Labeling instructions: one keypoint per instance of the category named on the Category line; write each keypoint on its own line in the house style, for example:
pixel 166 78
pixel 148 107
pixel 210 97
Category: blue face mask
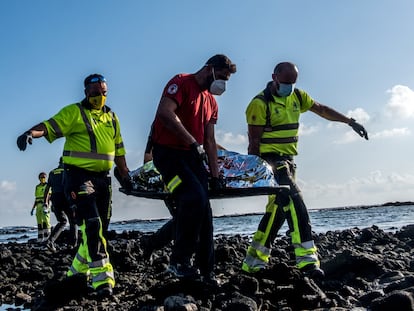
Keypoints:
pixel 285 89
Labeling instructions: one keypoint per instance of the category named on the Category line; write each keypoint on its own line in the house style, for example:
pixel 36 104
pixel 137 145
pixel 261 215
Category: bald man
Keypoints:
pixel 273 123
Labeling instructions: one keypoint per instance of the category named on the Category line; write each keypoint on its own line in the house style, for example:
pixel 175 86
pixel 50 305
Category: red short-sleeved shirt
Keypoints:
pixel 195 109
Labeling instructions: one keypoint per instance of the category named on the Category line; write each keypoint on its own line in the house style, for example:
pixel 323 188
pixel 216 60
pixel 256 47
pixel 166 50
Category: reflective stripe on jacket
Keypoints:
pixel 280 118
pixel 93 137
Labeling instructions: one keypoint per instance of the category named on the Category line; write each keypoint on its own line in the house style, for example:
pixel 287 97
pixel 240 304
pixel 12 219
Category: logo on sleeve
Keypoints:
pixel 295 107
pixel 172 89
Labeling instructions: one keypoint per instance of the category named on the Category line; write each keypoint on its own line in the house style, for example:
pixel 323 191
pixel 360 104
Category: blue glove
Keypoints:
pixel 45 209
pixel 31 212
pixel 23 139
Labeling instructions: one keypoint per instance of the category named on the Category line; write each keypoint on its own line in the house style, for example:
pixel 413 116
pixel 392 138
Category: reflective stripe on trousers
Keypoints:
pixel 101 270
pixel 258 253
pixel 174 183
pixel 306 253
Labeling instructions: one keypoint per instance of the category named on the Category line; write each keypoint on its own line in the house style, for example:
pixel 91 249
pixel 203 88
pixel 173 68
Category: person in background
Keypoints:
pixel 184 121
pixel 164 235
pixel 93 143
pixel 273 123
pixel 42 209
pixel 60 207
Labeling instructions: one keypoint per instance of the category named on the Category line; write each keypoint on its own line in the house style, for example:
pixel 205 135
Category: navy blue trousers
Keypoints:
pixel 193 218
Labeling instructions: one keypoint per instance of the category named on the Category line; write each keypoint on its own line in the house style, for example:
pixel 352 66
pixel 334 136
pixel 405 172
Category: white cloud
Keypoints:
pixel 401 103
pixel 348 137
pixel 15 206
pixel 230 141
pixel 305 130
pixel 397 132
pixel 7 187
pixel 359 114
pixel 376 188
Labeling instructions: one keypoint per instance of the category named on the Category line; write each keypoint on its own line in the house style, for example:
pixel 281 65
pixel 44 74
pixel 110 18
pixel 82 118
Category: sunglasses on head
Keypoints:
pixel 97 79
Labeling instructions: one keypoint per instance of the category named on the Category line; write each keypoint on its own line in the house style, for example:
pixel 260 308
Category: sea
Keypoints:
pixel 390 217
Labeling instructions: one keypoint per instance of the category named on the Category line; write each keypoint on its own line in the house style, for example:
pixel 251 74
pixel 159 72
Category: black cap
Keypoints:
pixel 93 78
pixel 222 61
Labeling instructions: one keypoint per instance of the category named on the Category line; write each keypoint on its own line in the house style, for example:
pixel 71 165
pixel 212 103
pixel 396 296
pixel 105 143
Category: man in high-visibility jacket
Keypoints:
pixel 273 123
pixel 93 143
pixel 42 209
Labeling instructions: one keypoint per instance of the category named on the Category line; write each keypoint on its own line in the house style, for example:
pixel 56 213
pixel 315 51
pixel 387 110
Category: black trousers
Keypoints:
pixel 163 235
pixel 284 170
pixel 90 195
pixel 63 213
pixel 193 218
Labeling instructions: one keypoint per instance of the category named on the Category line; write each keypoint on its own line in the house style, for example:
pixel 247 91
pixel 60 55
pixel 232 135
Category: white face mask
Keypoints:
pixel 217 87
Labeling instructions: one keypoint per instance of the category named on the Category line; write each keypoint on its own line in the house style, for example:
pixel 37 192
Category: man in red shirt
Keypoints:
pixel 183 125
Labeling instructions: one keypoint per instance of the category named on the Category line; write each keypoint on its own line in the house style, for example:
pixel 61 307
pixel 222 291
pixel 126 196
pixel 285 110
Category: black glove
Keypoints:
pixel 125 182
pixel 171 205
pixel 74 214
pixel 358 128
pixel 216 184
pixel 23 139
pixel 199 151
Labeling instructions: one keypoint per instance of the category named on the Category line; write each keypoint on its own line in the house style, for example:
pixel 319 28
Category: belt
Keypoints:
pixel 276 156
pixel 74 168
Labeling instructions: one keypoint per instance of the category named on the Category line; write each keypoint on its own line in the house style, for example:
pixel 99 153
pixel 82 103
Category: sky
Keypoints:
pixel 354 56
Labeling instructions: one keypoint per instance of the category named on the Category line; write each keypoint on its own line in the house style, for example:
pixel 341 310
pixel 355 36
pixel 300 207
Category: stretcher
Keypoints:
pixel 243 175
pixel 226 193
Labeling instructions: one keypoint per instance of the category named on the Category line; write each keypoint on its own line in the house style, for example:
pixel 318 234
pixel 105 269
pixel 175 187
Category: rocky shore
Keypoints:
pixel 366 269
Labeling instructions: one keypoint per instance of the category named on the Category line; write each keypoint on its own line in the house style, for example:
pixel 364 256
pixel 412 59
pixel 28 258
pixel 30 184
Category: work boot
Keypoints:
pixel 51 246
pixel 146 247
pixel 104 290
pixel 71 247
pixel 313 271
pixel 210 279
pixel 40 239
pixel 183 271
